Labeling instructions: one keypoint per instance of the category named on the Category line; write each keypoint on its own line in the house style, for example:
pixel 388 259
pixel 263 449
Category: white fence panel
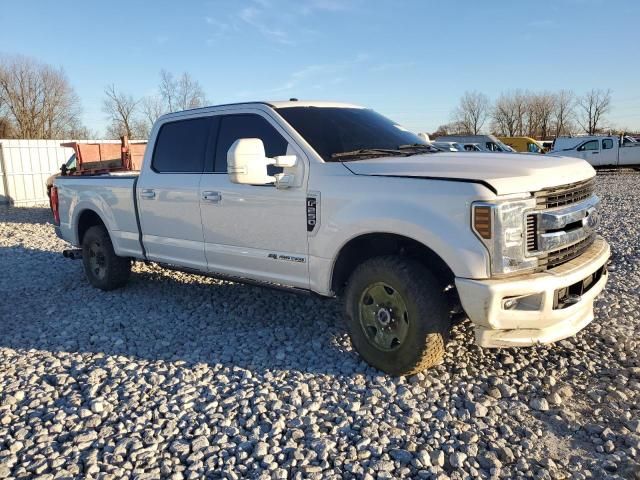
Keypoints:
pixel 25 166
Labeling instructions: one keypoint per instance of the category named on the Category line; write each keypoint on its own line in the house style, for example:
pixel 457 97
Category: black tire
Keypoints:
pixel 426 315
pixel 103 268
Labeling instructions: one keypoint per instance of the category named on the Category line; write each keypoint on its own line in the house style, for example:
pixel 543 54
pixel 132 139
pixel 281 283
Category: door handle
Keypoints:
pixel 148 194
pixel 594 153
pixel 212 197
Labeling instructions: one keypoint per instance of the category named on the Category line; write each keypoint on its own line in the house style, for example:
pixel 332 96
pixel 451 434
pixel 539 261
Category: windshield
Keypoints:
pixel 534 148
pixel 335 131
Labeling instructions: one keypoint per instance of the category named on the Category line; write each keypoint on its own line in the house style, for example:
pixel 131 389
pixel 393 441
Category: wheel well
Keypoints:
pixel 87 219
pixel 371 245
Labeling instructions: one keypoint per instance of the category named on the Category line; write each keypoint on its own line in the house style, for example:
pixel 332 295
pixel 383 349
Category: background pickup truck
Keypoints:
pixel 338 200
pixel 600 150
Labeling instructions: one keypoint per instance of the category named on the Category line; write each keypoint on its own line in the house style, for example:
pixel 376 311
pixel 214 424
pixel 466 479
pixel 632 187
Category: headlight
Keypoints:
pixel 501 226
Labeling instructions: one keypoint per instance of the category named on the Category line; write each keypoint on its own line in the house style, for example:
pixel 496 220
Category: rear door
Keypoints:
pixel 255 231
pixel 168 193
pixel 608 152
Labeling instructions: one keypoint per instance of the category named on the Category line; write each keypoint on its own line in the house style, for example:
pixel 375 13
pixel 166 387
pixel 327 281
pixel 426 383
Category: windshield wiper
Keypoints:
pixel 368 152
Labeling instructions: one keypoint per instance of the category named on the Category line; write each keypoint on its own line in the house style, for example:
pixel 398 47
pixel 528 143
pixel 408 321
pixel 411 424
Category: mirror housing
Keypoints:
pixel 247 164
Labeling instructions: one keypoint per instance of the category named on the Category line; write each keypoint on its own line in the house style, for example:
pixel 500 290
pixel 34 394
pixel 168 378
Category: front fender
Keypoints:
pixel 434 213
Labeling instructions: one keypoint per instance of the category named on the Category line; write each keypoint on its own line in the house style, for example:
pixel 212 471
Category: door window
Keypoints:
pixel 590 145
pixel 234 127
pixel 607 144
pixel 181 146
pixel 533 148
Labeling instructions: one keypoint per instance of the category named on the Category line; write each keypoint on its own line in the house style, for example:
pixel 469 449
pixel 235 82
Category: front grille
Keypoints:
pixel 563 255
pixel 565 194
pixel 532 233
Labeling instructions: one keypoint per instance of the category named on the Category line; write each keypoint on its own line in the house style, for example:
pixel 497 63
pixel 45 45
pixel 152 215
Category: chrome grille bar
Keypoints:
pixel 563 224
pixel 565 194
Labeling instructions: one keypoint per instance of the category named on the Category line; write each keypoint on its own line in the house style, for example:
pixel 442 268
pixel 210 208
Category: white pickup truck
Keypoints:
pixel 600 150
pixel 337 200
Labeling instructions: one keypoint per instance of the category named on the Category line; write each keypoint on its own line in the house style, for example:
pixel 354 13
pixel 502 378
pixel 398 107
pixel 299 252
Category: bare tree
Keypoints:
pixel 472 112
pixel 509 113
pixel 592 107
pixel 121 109
pixel 563 112
pixel 152 109
pixel 36 99
pixel 5 128
pixel 453 128
pixel 181 93
pixel 540 107
pixel 168 87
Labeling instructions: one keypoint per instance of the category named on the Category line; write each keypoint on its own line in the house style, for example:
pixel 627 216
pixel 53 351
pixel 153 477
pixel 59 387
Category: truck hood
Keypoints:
pixel 504 173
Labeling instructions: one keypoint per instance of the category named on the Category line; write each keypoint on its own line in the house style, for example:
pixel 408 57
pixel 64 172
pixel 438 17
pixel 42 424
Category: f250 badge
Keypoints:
pixel 312 210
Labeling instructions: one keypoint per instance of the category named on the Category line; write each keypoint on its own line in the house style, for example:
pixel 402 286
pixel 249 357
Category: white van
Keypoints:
pixel 600 150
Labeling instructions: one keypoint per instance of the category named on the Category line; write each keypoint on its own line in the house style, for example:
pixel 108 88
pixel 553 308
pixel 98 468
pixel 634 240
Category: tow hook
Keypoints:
pixel 73 254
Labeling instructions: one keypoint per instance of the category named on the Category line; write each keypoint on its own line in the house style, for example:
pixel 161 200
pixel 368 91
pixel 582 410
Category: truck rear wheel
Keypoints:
pixel 397 315
pixel 103 268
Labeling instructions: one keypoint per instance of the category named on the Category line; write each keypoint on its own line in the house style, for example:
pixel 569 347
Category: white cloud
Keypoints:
pixel 318 76
pixel 384 67
pixel 256 18
pixel 284 22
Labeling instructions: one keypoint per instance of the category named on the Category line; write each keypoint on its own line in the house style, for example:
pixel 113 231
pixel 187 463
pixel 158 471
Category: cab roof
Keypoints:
pixel 311 103
pixel 272 104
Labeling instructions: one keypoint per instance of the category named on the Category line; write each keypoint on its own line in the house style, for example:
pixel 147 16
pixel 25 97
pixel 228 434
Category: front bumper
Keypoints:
pixel 541 320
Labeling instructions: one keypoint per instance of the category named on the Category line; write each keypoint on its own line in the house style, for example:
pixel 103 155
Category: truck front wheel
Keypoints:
pixel 397 315
pixel 104 269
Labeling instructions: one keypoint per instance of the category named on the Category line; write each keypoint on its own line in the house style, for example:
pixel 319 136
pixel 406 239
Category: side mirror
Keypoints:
pixel 63 169
pixel 247 164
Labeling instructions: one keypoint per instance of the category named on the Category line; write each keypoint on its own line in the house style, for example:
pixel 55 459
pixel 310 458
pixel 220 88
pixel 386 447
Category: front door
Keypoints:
pixel 255 231
pixel 590 151
pixel 168 194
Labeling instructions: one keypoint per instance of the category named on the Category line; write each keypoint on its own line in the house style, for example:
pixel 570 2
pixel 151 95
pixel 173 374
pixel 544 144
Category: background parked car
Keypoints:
pixel 449 146
pixel 523 144
pixel 66 168
pixel 472 147
pixel 486 143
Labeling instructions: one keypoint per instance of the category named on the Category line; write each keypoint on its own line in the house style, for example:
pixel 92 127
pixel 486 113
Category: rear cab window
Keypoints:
pixel 181 146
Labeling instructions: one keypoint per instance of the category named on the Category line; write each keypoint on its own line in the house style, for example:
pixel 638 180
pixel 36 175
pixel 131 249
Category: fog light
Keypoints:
pixel 525 302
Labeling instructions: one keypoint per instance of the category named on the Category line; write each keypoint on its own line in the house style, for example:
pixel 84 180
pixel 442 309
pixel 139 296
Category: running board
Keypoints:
pixel 231 278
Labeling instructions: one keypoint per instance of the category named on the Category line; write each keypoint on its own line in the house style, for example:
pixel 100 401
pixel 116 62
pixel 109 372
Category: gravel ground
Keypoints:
pixel 184 377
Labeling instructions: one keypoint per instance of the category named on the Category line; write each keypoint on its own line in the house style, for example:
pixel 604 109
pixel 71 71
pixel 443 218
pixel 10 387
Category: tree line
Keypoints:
pixel 134 117
pixel 533 114
pixel 37 101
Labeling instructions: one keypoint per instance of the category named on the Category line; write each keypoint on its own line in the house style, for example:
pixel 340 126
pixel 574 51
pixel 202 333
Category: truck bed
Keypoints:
pixel 112 194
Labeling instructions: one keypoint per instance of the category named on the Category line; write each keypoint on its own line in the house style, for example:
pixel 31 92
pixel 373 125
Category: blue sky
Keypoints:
pixel 411 60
